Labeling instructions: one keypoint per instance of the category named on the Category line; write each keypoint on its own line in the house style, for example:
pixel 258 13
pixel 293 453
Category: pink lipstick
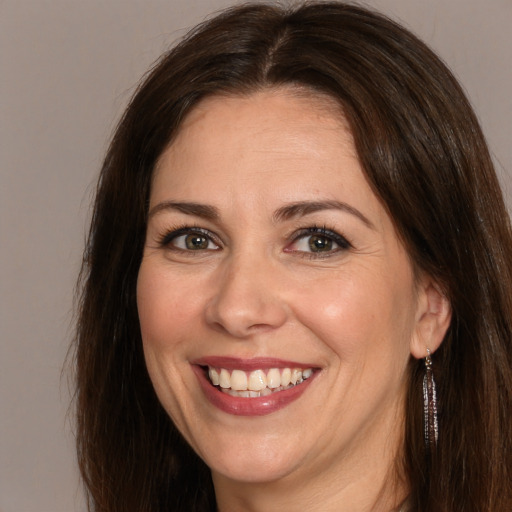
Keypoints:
pixel 252 387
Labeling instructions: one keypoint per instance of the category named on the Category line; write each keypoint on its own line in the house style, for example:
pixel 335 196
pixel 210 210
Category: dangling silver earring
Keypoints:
pixel 430 404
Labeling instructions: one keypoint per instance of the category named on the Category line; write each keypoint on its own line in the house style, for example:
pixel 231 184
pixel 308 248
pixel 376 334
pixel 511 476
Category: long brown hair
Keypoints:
pixel 425 157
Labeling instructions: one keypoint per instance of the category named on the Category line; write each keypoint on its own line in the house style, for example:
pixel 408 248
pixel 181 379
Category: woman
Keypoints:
pixel 297 287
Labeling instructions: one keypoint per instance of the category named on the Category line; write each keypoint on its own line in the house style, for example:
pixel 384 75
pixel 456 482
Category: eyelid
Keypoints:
pixel 165 239
pixel 172 233
pixel 342 242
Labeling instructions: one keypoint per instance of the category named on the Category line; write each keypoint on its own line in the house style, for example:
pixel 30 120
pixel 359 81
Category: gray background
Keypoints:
pixel 68 68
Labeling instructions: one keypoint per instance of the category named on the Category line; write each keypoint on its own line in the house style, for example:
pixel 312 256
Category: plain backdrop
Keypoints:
pixel 67 69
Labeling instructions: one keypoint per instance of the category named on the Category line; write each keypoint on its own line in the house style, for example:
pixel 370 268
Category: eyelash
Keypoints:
pixel 171 234
pixel 166 239
pixel 342 243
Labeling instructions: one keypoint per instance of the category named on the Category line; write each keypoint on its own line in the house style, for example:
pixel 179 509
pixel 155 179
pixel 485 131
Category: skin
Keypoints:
pixel 256 289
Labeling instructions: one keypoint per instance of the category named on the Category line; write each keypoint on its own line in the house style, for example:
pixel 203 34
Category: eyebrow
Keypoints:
pixel 199 210
pixel 303 208
pixel 289 211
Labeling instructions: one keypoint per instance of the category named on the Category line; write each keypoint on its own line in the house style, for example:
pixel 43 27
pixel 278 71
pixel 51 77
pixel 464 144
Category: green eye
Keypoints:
pixel 195 242
pixel 190 239
pixel 319 243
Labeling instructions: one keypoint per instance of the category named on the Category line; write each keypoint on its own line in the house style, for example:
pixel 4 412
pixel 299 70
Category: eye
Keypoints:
pixel 318 241
pixel 190 239
pixel 192 242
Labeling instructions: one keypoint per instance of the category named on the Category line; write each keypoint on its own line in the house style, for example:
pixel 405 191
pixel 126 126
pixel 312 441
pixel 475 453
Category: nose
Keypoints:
pixel 248 298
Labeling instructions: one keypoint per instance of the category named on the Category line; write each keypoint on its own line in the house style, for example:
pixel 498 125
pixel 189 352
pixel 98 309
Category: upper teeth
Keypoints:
pixel 257 380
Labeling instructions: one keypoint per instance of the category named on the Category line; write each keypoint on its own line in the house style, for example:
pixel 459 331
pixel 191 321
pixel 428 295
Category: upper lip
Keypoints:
pixel 235 363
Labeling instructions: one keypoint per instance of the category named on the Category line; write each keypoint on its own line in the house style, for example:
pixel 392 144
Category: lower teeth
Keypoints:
pixel 256 394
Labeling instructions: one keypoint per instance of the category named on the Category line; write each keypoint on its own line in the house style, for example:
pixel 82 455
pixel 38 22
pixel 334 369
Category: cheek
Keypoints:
pixel 165 319
pixel 356 313
pixel 167 309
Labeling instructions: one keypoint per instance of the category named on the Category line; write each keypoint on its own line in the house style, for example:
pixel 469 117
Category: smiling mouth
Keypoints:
pixel 256 383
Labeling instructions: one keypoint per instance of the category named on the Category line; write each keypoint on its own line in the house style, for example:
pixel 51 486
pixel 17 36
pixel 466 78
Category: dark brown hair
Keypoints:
pixel 425 157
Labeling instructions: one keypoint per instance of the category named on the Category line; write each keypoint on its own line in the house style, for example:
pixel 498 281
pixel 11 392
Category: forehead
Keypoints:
pixel 283 100
pixel 289 129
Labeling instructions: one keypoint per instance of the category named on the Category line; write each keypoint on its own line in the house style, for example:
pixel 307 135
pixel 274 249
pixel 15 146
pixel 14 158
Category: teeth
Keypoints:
pixel 296 376
pixel 286 377
pixel 273 378
pixel 214 376
pixel 257 383
pixel 224 379
pixel 239 380
pixel 257 380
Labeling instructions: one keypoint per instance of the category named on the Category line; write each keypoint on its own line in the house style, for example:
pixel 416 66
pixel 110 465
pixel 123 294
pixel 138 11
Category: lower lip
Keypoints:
pixel 258 406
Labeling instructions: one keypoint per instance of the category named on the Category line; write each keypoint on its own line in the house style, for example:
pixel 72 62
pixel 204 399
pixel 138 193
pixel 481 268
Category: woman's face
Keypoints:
pixel 267 254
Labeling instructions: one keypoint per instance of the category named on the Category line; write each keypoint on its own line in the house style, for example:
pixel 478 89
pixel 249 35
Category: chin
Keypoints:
pixel 251 460
pixel 254 471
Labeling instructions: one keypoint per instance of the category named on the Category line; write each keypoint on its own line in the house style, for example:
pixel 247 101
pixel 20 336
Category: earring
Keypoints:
pixel 430 404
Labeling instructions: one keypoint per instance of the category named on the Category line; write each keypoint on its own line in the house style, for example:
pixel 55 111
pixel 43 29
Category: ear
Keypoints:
pixel 433 317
